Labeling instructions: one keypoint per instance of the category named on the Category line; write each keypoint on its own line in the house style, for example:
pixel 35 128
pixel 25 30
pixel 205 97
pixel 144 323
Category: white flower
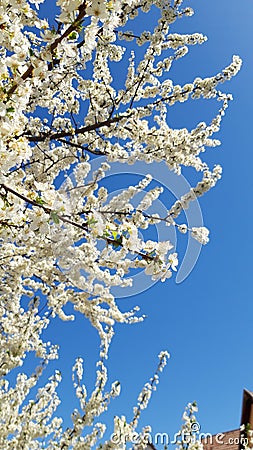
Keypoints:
pixel 173 260
pixel 98 225
pixel 200 234
pixel 2 109
pixel 98 9
pixel 182 228
pixel 5 128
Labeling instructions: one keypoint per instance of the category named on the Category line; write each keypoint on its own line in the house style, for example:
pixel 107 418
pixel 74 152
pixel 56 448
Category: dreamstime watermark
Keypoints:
pixel 174 186
pixel 186 438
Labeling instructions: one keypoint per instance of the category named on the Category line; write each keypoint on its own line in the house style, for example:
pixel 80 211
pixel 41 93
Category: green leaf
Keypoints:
pixel 40 201
pixel 72 35
pixel 152 254
pixel 114 235
pixel 91 221
pixel 117 243
pixel 54 216
pixel 7 204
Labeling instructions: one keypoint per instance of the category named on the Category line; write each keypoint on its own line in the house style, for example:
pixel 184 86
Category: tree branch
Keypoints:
pixel 65 219
pixel 82 130
pixel 53 46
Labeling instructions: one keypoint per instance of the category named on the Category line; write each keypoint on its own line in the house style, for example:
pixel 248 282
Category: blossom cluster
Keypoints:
pixel 187 437
pixel 64 237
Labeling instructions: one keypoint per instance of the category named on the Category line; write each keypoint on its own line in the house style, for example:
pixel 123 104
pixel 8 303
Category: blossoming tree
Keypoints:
pixel 62 237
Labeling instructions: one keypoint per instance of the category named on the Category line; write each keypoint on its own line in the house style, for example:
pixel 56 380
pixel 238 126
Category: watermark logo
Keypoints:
pixel 184 438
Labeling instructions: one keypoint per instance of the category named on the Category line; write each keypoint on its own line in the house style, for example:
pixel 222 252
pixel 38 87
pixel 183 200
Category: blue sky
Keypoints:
pixel 206 321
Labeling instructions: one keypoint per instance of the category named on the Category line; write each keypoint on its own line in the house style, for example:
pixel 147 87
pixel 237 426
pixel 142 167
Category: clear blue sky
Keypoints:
pixel 206 321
